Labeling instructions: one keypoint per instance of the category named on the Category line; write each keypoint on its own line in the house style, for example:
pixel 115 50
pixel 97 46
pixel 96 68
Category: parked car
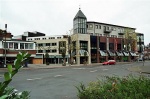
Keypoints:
pixel 109 62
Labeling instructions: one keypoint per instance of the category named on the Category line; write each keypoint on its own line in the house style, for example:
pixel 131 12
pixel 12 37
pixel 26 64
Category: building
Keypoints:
pixel 28 34
pixel 9 48
pixel 97 42
pixel 53 45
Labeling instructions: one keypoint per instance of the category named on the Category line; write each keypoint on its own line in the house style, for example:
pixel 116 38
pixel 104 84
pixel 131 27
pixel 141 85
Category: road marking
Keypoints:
pixel 105 69
pixel 34 79
pixel 78 68
pixel 58 75
pixel 93 71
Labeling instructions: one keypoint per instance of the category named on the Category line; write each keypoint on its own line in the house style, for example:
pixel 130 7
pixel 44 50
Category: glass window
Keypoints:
pixel 11 45
pixel 21 45
pixel 40 51
pixel 15 45
pixel 47 44
pixel 26 46
pixel 96 26
pixel 30 45
pixel 47 51
pixel 5 44
pixel 53 44
pixel 53 50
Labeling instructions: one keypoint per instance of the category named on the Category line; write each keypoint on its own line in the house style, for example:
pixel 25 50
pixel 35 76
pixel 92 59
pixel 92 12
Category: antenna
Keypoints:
pixel 79 7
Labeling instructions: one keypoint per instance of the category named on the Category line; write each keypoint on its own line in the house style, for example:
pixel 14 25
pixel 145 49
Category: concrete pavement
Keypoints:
pixel 141 69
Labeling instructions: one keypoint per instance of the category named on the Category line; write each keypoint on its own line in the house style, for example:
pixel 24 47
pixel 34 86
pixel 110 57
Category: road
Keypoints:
pixel 59 83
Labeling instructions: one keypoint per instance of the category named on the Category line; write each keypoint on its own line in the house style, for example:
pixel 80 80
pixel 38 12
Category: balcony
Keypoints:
pixel 121 33
pixel 107 31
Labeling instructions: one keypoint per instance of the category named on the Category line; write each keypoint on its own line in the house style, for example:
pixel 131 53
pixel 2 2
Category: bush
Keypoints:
pixel 7 92
pixel 129 87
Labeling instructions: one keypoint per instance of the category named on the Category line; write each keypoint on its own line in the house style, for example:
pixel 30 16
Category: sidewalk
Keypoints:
pixel 67 65
pixel 144 68
pixel 39 66
pixel 141 69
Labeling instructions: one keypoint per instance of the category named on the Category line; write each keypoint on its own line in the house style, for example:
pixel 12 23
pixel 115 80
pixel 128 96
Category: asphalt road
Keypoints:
pixel 59 83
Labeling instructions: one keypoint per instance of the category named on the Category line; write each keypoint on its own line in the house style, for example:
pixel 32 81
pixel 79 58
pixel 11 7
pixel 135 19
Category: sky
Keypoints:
pixel 55 17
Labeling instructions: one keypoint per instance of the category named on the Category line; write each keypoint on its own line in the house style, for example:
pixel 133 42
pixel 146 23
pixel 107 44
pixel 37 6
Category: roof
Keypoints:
pixel 80 15
pixel 109 24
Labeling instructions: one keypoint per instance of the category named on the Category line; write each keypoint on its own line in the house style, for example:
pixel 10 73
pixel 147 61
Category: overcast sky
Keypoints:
pixel 55 17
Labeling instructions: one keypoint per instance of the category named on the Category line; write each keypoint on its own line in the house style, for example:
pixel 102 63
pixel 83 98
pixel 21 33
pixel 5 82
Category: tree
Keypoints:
pixel 85 57
pixel 130 39
pixel 64 55
pixel 46 57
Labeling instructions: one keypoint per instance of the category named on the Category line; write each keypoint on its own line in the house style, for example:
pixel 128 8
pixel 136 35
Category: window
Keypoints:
pixel 91 26
pixel 40 51
pixel 96 26
pixel 30 46
pixel 15 45
pixel 11 45
pixel 99 26
pixel 21 45
pixel 58 37
pixel 53 44
pixel 100 34
pixel 107 28
pixel 40 44
pixel 5 44
pixel 26 46
pixel 83 45
pixel 114 29
pixel 54 50
pixel 87 26
pixel 47 51
pixel 47 44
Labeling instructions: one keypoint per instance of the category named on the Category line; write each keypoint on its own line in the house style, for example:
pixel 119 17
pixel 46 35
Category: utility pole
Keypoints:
pixel 5 32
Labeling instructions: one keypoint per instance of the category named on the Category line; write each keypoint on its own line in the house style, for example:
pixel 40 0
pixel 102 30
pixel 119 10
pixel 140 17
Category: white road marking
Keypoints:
pixel 105 69
pixel 58 75
pixel 34 79
pixel 78 68
pixel 93 71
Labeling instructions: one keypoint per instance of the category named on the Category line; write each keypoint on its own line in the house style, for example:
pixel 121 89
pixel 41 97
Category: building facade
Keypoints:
pixel 53 45
pixel 97 42
pixel 9 48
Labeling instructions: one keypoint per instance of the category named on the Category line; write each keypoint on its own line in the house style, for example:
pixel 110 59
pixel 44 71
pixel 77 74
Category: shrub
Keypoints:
pixel 129 87
pixel 7 92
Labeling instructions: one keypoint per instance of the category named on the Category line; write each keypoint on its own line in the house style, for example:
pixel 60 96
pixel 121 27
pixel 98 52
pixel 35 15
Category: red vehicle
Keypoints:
pixel 110 62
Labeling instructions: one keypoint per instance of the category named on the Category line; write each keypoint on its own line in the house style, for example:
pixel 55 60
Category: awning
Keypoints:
pixel 73 53
pixel 126 53
pixel 50 56
pixel 103 53
pixel 133 53
pixel 82 52
pixel 119 53
pixel 111 53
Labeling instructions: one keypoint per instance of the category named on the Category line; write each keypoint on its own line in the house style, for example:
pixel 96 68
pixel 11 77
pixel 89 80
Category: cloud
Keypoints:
pixel 56 16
